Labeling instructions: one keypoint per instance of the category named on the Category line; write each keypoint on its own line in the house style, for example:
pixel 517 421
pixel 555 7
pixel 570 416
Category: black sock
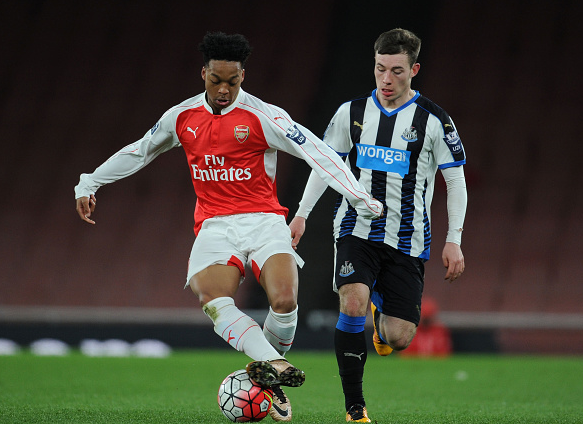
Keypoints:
pixel 351 352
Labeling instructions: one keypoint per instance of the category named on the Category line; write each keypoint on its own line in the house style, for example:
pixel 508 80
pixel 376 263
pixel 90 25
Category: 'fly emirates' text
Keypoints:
pixel 219 174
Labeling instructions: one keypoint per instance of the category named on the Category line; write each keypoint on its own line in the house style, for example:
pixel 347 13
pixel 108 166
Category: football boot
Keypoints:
pixel 357 414
pixel 277 372
pixel 380 346
pixel 280 407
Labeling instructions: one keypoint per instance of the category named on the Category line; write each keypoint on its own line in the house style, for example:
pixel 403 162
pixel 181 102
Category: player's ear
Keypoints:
pixel 203 73
pixel 415 69
pixel 242 74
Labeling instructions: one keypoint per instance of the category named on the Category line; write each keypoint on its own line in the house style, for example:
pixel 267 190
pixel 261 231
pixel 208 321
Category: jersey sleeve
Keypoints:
pixel 315 188
pixel 293 138
pixel 448 148
pixel 457 200
pixel 337 135
pixel 132 158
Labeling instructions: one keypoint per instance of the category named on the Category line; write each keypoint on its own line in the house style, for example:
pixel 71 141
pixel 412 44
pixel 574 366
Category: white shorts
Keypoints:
pixel 240 240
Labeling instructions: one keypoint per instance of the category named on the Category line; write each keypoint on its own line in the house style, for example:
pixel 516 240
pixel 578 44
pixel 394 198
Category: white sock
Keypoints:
pixel 239 330
pixel 280 329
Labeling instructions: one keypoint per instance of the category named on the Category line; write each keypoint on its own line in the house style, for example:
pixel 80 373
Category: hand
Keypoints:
pixel 373 210
pixel 453 260
pixel 297 227
pixel 85 207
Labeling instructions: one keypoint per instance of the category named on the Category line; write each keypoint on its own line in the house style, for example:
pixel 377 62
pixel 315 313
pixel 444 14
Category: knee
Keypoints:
pixel 205 297
pixel 353 306
pixel 354 299
pixel 399 342
pixel 285 302
pixel 398 336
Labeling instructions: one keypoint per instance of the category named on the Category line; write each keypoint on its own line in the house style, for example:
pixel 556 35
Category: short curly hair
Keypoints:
pixel 220 46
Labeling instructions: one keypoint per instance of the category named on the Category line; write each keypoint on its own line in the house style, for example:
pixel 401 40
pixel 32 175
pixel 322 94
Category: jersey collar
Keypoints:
pixel 226 110
pixel 386 112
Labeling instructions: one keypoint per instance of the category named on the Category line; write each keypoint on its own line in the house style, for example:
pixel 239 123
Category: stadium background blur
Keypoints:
pixel 79 80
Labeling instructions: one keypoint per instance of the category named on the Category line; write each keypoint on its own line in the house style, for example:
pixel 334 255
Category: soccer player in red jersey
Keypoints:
pixel 231 139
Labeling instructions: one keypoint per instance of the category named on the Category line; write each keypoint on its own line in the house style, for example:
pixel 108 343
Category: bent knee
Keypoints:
pixel 399 343
pixel 284 304
pixel 400 334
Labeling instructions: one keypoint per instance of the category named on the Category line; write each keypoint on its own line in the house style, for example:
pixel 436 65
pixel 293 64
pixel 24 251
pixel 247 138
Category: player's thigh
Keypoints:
pixel 399 287
pixel 269 235
pixel 215 244
pixel 274 262
pixel 279 279
pixel 355 261
pixel 357 264
pixel 215 281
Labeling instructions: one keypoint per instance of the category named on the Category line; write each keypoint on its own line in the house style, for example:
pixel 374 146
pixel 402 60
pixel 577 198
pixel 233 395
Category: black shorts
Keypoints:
pixel 394 278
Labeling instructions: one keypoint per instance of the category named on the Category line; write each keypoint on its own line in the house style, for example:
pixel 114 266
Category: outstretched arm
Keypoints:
pixel 124 163
pixel 331 169
pixel 293 138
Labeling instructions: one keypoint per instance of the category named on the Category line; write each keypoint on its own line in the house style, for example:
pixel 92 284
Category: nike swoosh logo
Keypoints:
pixel 280 411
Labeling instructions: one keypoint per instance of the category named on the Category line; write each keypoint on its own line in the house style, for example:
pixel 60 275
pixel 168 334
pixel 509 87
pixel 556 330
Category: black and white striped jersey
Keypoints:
pixel 395 155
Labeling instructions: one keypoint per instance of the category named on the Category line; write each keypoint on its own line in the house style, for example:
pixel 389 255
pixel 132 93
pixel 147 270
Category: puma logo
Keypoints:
pixel 359 356
pixel 358 125
pixel 192 131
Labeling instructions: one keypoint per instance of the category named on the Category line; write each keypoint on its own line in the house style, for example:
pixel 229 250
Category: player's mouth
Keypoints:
pixel 222 102
pixel 387 93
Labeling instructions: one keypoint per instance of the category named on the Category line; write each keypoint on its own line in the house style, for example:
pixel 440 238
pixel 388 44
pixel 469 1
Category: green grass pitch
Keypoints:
pixel 182 389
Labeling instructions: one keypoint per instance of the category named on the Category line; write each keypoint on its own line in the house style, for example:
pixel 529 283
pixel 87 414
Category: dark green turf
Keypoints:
pixel 182 389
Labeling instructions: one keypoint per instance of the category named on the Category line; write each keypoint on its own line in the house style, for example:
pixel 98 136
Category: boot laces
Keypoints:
pixel 277 391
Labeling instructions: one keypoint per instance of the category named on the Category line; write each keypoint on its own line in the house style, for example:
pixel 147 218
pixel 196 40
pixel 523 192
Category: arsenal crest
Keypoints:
pixel 241 133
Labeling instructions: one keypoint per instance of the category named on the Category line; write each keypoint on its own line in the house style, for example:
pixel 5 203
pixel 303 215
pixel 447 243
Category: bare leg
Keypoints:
pixel 215 287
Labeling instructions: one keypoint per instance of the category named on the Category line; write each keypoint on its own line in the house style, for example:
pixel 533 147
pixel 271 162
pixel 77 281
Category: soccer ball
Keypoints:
pixel 243 400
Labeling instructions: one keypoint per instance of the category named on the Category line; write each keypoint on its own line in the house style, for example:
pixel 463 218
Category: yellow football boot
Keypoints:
pixel 381 347
pixel 357 414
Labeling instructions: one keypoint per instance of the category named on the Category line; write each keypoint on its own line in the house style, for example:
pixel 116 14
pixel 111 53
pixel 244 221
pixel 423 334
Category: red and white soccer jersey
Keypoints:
pixel 231 163
pixel 232 157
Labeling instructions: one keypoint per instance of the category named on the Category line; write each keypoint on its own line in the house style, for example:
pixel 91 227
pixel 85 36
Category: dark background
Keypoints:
pixel 80 80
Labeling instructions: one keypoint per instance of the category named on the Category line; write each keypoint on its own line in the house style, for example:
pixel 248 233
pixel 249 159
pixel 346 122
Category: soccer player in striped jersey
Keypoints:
pixel 231 140
pixel 394 140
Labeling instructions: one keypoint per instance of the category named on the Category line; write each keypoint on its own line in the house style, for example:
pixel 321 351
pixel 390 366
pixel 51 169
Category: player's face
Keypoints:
pixel 222 81
pixel 393 75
